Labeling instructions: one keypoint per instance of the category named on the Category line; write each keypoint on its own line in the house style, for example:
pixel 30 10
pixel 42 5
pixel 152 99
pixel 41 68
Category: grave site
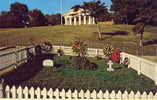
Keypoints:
pixel 92 49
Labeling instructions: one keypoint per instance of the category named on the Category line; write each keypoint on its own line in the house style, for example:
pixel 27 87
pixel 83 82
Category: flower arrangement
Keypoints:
pixel 108 49
pixel 116 55
pixel 126 62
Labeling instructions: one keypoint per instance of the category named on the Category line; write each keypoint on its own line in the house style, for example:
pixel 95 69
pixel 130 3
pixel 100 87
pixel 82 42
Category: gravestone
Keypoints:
pixel 48 63
pixel 110 63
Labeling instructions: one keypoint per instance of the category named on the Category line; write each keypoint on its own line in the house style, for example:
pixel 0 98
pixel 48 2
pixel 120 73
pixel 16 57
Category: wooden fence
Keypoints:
pixel 13 57
pixel 19 92
pixel 142 66
pixel 91 52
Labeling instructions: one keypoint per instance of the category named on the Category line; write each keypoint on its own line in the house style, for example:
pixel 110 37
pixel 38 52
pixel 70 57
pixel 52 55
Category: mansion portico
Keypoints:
pixel 78 18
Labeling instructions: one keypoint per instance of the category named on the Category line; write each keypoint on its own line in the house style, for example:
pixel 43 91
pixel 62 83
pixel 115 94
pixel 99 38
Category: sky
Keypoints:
pixel 46 6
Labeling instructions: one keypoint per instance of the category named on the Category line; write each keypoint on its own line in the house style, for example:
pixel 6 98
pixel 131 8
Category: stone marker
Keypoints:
pixel 110 63
pixel 48 63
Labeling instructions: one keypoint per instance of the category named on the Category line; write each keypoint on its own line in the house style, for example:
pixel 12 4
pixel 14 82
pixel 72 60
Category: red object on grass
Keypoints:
pixel 116 55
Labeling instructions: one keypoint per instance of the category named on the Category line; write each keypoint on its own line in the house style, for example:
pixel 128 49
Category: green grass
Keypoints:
pixel 67 77
pixel 65 35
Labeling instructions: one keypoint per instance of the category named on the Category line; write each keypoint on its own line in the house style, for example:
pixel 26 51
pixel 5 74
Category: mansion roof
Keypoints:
pixel 71 12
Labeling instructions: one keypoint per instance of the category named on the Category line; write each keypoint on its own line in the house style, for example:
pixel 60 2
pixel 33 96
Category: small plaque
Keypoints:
pixel 48 63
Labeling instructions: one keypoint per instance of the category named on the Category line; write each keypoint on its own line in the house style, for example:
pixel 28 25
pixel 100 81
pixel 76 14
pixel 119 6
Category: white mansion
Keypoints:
pixel 78 18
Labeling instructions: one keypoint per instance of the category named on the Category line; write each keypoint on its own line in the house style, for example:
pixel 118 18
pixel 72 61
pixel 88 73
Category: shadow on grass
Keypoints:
pixel 24 72
pixel 115 33
pixel 111 34
pixel 150 43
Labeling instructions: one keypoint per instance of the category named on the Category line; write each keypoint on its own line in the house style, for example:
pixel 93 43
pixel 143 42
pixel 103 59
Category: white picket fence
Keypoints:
pixel 142 66
pixel 19 92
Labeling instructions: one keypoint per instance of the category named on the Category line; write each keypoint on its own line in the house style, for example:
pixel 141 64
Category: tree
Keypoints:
pixel 79 47
pixel 37 18
pixel 53 19
pixel 97 9
pixel 5 21
pixel 143 19
pixel 8 20
pixel 20 11
pixel 129 9
pixel 81 61
pixel 76 7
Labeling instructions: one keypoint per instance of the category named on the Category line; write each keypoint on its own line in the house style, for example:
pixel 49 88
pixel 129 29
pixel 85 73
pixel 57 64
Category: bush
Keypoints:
pixel 60 52
pixel 38 50
pixel 46 47
pixel 79 47
pixel 83 63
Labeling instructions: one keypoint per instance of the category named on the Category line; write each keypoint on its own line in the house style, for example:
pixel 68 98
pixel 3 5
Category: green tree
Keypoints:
pixel 79 47
pixel 142 20
pixel 54 19
pixel 97 9
pixel 20 11
pixel 129 9
pixel 37 18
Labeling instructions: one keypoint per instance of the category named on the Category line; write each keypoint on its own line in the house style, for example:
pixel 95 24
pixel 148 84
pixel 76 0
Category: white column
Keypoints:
pixel 93 21
pixel 65 20
pixel 70 20
pixel 89 20
pixel 75 23
pixel 84 19
pixel 79 19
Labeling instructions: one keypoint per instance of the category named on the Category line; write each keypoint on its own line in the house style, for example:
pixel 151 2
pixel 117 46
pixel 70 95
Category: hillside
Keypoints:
pixel 65 35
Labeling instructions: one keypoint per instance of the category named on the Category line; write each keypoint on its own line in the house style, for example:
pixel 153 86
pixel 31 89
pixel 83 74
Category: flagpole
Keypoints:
pixel 61 5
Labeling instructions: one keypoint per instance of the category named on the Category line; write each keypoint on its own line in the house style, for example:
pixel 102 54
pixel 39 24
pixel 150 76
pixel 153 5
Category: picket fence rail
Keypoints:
pixel 19 92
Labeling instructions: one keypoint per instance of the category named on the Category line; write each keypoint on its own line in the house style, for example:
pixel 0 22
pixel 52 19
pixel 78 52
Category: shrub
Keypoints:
pixel 79 47
pixel 38 50
pixel 46 47
pixel 83 63
pixel 60 52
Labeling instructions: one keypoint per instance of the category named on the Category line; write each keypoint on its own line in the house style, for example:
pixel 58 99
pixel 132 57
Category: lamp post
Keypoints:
pixel 61 7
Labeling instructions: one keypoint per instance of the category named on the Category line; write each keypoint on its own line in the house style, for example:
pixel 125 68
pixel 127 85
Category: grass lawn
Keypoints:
pixel 151 58
pixel 67 77
pixel 65 35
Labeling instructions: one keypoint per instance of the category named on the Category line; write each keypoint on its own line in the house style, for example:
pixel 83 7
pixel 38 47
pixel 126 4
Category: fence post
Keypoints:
pixel 16 59
pixel 155 75
pixel 156 52
pixel 1 88
pixel 139 69
pixel 97 52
